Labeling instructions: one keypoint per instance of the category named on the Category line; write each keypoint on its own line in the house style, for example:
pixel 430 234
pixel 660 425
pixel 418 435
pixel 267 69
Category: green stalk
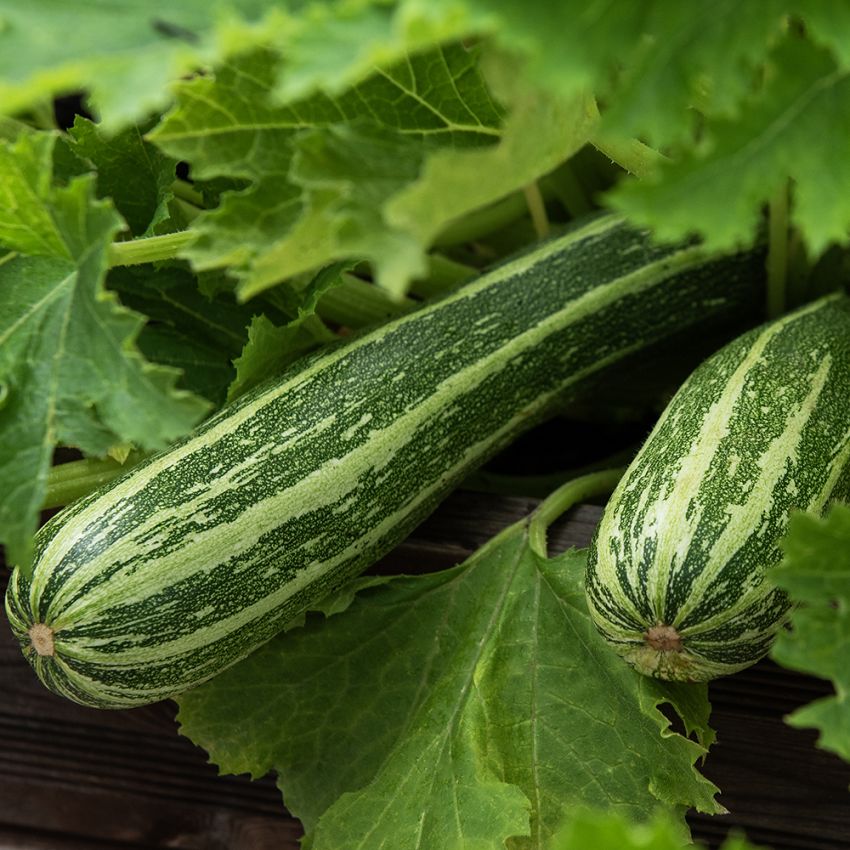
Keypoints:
pixel 777 253
pixel 630 154
pixel 568 190
pixel 480 222
pixel 189 211
pixel 70 481
pixel 443 275
pixel 575 491
pixel 356 304
pixel 187 192
pixel 537 208
pixel 799 287
pixel 150 249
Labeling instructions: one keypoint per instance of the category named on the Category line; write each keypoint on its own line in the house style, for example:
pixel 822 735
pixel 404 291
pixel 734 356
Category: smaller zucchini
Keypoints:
pixel 676 571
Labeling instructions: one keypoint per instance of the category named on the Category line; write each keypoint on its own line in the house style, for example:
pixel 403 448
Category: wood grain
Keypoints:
pixel 73 778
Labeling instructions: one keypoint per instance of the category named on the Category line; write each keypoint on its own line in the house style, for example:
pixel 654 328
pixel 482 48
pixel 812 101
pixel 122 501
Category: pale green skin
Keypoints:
pixel 194 558
pixel 760 430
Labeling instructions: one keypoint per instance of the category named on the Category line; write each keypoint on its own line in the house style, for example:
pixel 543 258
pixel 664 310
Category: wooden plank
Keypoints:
pixel 72 777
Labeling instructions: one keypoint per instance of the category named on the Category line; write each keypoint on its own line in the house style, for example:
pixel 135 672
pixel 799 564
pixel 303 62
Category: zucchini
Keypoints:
pixel 676 571
pixel 195 557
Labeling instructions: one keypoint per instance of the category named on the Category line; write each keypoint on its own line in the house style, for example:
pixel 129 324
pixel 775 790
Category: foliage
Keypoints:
pixel 368 131
pixel 471 706
pixel 816 573
pixel 332 145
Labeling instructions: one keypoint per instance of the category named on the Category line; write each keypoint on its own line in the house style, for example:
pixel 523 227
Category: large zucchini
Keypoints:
pixel 194 558
pixel 676 572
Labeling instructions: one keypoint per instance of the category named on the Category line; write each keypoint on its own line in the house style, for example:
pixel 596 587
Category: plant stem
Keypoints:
pixel 149 249
pixel 630 154
pixel 480 222
pixel 70 481
pixel 537 208
pixel 798 282
pixel 190 211
pixel 443 275
pixel 357 303
pixel 540 486
pixel 568 190
pixel 777 253
pixel 187 192
pixel 577 490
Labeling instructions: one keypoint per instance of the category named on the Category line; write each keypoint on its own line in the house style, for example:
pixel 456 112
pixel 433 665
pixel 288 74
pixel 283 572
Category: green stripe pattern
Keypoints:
pixel 194 558
pixel 676 572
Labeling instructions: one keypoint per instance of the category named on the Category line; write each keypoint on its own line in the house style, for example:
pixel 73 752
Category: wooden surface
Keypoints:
pixel 73 778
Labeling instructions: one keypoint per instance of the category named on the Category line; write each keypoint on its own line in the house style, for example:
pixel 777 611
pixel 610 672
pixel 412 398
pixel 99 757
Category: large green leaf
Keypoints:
pixel 816 574
pixel 321 168
pixel 69 371
pixel 375 172
pixel 124 53
pixel 791 130
pixel 199 334
pixel 460 708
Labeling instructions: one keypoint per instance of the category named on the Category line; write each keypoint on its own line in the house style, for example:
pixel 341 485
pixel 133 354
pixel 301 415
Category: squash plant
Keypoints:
pixel 243 187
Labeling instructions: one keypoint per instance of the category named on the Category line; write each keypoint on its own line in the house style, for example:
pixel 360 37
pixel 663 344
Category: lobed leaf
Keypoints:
pixel 69 370
pixel 461 708
pixel 124 54
pixel 789 132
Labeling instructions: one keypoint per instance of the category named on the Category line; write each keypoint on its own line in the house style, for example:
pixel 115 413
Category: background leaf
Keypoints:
pixel 68 367
pixel 601 830
pixel 789 131
pixel 321 168
pixel 125 54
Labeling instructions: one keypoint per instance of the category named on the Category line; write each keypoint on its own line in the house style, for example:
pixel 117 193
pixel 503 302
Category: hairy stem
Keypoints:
pixel 357 303
pixel 150 249
pixel 480 222
pixel 187 192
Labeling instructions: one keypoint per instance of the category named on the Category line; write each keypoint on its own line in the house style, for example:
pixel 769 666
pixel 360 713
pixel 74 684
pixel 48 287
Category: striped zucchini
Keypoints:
pixel 676 572
pixel 194 558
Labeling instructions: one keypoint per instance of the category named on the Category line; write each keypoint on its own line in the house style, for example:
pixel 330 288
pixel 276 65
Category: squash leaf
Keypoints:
pixel 460 708
pixel 125 54
pixel 132 172
pixel 816 574
pixel 374 172
pixel 787 131
pixel 69 369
